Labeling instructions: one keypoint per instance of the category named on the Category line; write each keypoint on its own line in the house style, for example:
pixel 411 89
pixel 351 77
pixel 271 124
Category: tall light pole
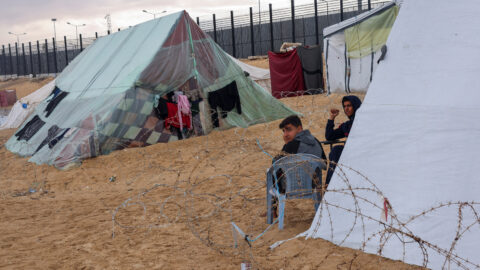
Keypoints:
pixel 328 20
pixel 153 13
pixel 54 30
pixel 18 39
pixel 76 29
pixel 259 16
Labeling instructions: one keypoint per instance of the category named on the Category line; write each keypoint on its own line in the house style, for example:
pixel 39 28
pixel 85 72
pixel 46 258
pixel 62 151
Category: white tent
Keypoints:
pixel 259 75
pixel 416 139
pixel 351 69
pixel 19 113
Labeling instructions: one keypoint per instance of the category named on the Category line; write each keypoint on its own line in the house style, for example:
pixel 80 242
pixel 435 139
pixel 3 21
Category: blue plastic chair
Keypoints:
pixel 298 173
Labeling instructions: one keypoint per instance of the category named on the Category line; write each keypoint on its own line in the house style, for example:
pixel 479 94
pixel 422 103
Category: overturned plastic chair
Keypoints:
pixel 298 172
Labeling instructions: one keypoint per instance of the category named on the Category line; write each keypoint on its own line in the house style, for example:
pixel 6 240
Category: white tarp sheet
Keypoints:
pixel 416 138
pixel 18 114
pixel 259 75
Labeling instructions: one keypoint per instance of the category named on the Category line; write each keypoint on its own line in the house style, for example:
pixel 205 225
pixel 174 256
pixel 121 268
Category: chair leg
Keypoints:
pixel 281 211
pixel 269 208
pixel 317 196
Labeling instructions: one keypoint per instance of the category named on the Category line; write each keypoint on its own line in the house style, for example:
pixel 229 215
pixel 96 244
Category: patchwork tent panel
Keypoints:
pixel 105 99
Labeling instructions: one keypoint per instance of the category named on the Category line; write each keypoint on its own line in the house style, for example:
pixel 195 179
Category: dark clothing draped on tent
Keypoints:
pixel 286 74
pixel 30 129
pixel 58 96
pixel 342 131
pixel 311 59
pixel 227 99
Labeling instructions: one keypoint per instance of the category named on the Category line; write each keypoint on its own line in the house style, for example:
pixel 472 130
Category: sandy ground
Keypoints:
pixel 183 196
pixel 261 63
pixel 24 86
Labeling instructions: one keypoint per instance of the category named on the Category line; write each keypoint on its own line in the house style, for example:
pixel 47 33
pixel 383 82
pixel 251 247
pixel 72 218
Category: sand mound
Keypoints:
pixel 167 206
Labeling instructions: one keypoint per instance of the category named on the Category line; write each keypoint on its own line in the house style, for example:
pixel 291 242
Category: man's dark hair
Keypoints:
pixel 293 120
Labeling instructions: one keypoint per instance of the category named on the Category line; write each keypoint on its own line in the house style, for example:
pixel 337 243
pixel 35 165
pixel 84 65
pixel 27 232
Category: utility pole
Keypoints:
pixel 109 22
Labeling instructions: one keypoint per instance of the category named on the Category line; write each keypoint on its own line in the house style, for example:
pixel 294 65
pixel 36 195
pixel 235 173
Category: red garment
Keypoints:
pixel 3 98
pixel 286 74
pixel 172 118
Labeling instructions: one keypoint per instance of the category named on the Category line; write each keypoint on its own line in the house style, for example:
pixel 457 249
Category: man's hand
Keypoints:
pixel 333 113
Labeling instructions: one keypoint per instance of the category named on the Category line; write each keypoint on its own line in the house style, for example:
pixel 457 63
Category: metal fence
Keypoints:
pixel 251 33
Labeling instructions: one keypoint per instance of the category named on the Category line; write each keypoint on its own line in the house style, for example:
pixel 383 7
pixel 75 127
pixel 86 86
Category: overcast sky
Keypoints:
pixel 34 16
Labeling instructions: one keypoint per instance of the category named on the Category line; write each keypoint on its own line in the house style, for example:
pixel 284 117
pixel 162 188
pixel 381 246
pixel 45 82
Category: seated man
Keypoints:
pixel 350 106
pixel 297 141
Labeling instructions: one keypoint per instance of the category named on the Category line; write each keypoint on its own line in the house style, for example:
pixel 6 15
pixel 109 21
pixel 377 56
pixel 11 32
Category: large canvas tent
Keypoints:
pixel 104 100
pixel 415 139
pixel 353 47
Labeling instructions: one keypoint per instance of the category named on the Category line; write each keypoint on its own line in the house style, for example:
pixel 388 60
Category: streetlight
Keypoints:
pixel 54 30
pixel 76 30
pixel 18 39
pixel 153 13
pixel 259 16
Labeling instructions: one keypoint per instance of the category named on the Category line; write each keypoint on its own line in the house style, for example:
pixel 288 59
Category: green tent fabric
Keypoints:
pixel 370 35
pixel 104 100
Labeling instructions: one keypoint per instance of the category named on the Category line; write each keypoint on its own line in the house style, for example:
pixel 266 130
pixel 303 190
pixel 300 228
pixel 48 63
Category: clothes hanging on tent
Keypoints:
pixel 173 117
pixel 286 74
pixel 53 142
pixel 52 132
pixel 161 110
pixel 311 60
pixel 227 98
pixel 58 96
pixel 30 128
pixel 183 109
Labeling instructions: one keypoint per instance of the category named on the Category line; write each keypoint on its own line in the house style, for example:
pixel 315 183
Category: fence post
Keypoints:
pixel 316 23
pixel 54 56
pixel 24 60
pixel 198 21
pixel 4 61
pixel 252 42
pixel 360 5
pixel 341 10
pixel 96 35
pixel 108 32
pixel 233 33
pixel 369 4
pixel 81 43
pixel 293 21
pixel 39 58
pixel 17 58
pixel 271 27
pixel 214 28
pixel 11 59
pixel 31 59
pixel 46 53
pixel 66 50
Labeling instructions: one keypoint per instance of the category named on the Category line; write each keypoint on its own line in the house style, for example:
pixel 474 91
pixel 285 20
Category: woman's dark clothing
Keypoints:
pixel 342 131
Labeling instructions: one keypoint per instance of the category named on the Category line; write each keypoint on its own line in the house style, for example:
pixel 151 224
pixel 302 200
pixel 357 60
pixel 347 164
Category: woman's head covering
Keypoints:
pixel 356 103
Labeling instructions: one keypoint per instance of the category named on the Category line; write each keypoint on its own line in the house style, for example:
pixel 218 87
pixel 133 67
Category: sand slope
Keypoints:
pixel 183 223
